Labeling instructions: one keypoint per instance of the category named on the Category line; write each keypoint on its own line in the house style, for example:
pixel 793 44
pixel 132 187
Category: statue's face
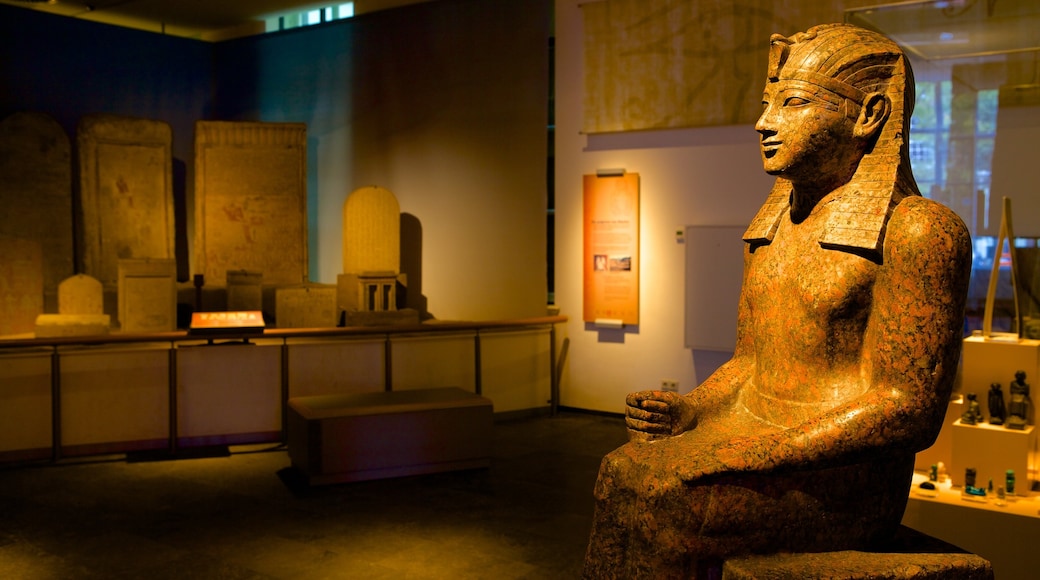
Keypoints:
pixel 806 135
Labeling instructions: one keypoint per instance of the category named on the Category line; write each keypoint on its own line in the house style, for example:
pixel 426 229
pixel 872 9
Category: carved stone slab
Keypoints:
pixel 251 200
pixel 126 183
pixel 147 295
pixel 36 189
pixel 309 306
pixel 21 285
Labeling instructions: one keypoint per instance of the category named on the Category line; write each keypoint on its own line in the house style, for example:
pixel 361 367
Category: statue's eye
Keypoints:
pixel 796 102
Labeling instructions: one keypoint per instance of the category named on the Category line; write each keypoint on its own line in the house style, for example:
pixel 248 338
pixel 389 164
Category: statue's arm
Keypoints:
pixel 651 414
pixel 910 354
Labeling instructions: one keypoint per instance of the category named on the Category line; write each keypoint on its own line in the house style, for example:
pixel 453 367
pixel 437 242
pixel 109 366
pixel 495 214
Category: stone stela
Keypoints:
pixel 36 192
pixel 251 200
pixel 126 183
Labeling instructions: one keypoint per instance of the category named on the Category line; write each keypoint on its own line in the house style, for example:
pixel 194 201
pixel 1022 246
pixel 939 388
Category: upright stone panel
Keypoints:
pixel 36 190
pixel 126 184
pixel 147 295
pixel 245 290
pixel 251 200
pixel 21 285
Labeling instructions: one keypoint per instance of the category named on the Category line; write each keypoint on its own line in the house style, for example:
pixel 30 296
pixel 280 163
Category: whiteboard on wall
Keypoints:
pixel 714 268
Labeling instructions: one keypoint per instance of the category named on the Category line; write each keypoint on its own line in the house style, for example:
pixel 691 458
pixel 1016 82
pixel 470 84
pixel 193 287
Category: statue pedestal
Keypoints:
pixel 913 556
pixel 992 450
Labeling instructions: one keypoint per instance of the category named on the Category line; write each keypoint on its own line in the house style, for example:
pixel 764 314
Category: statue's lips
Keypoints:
pixel 769 148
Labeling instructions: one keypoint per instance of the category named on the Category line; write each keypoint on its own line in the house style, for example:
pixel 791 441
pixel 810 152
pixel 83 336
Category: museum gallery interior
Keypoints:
pixel 304 290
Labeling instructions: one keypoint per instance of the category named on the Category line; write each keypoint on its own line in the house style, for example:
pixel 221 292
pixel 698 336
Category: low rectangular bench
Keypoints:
pixel 362 436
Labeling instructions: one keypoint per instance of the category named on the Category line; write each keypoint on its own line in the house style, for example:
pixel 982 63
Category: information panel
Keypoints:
pixel 611 261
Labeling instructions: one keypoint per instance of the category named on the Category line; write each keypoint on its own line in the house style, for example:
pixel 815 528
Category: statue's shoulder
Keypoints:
pixel 919 222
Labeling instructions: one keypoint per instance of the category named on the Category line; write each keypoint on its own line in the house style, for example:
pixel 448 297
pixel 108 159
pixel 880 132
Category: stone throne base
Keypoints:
pixel 911 556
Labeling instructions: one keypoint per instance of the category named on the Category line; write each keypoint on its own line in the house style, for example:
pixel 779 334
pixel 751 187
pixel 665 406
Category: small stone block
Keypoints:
pixel 309 306
pixel 147 295
pixel 59 325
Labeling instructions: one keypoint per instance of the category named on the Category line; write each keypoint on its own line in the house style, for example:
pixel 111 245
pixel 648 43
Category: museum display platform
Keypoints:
pixel 1002 531
pixel 117 393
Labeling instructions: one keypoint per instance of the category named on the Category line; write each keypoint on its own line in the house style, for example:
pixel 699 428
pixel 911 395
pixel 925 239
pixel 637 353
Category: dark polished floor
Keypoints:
pixel 241 516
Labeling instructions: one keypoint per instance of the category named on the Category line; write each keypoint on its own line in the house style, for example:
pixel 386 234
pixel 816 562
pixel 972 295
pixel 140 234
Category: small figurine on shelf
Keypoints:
pixel 969 483
pixel 1019 403
pixel 997 412
pixel 974 413
pixel 933 473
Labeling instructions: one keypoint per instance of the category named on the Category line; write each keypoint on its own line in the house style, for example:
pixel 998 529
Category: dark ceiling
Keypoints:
pixel 203 19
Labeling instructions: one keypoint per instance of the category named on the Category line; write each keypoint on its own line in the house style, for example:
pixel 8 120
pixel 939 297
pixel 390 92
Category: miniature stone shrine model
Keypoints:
pixel 848 336
pixel 1018 402
pixel 995 403
pixel 367 288
pixel 973 414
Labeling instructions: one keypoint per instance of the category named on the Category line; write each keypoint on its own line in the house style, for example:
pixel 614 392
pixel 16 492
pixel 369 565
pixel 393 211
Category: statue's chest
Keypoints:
pixel 794 281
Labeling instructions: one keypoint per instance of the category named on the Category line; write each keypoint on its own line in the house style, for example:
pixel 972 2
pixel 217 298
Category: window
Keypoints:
pixel 309 17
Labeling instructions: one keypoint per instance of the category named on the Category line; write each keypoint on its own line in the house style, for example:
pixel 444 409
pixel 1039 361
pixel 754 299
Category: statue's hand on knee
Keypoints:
pixel 654 415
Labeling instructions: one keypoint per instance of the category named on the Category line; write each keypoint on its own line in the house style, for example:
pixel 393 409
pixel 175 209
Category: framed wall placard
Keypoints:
pixel 611 244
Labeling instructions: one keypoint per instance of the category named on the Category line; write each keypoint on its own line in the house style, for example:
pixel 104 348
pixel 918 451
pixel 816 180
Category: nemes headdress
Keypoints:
pixel 849 63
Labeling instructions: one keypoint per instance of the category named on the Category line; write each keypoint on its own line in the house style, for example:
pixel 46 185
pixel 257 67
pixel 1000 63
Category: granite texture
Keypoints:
pixel 909 555
pixel 849 331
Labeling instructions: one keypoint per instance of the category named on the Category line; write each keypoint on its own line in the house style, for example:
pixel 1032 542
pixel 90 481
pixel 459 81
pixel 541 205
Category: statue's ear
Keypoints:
pixel 872 115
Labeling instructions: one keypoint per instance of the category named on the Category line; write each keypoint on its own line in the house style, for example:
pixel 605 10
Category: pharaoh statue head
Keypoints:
pixel 860 73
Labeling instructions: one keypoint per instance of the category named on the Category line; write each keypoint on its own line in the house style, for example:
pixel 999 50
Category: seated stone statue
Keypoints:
pixel 974 412
pixel 848 337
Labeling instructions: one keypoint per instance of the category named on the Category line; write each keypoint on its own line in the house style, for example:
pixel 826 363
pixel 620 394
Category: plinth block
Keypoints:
pixel 363 436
